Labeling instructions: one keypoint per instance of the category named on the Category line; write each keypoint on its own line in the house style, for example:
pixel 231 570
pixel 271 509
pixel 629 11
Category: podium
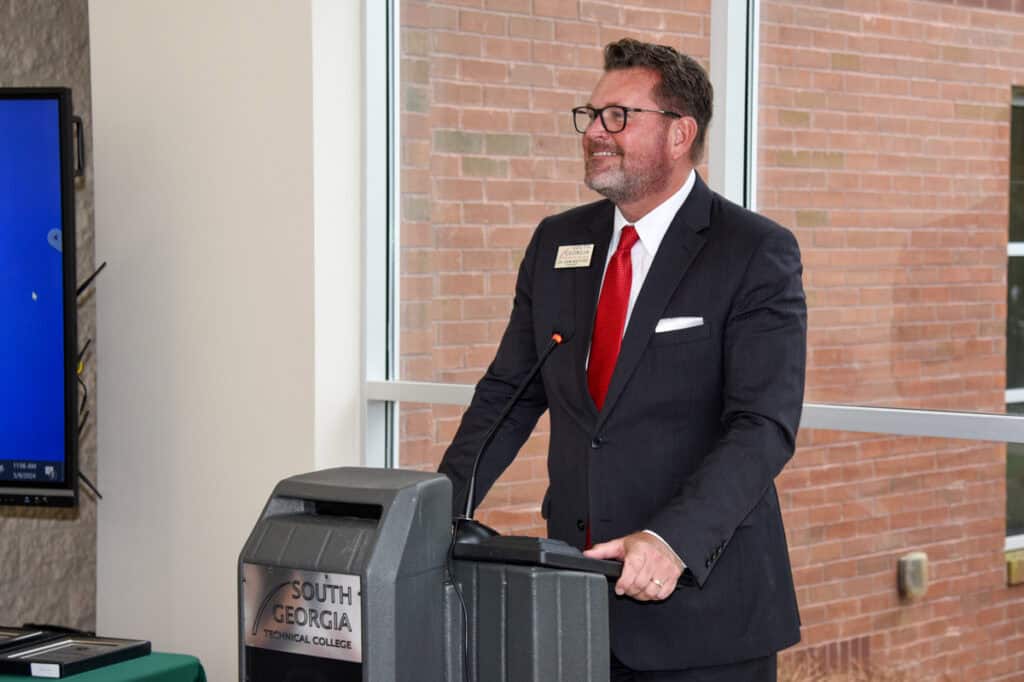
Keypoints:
pixel 350 575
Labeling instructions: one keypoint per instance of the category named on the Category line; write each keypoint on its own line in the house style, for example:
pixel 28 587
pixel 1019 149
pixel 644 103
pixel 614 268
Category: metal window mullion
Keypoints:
pixel 378 216
pixel 394 226
pixel 420 392
pixel 881 420
pixel 752 102
pixel 1000 428
pixel 730 67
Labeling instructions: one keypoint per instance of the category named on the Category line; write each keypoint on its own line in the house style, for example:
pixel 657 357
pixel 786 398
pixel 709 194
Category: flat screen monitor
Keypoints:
pixel 38 334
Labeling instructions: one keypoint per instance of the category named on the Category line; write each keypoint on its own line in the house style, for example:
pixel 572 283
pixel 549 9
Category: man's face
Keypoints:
pixel 635 162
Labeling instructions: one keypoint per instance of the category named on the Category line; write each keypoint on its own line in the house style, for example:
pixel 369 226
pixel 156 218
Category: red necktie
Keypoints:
pixel 611 317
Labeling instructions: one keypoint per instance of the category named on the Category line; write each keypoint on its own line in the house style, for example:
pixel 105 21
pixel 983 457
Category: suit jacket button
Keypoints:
pixel 707 564
pixel 596 443
pixel 580 525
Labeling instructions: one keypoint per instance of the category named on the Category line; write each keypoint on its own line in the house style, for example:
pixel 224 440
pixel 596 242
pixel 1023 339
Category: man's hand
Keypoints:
pixel 649 568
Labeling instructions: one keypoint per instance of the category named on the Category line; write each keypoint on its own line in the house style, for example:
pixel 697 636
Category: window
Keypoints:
pixel 874 134
pixel 1015 318
pixel 869 146
pixel 486 149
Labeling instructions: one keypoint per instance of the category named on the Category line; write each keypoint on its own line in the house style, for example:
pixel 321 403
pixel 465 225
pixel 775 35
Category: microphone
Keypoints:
pixel 466 529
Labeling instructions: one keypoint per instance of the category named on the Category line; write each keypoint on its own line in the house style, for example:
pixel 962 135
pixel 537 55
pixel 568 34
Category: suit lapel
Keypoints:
pixel 587 284
pixel 676 253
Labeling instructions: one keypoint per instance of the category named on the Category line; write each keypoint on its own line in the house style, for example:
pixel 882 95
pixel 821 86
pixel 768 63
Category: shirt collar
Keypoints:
pixel 652 227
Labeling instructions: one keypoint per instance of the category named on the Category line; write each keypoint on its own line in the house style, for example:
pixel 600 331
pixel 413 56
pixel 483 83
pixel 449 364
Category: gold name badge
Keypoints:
pixel 574 256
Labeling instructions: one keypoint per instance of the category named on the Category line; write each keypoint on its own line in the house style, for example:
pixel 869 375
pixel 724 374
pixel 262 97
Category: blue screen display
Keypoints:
pixel 32 419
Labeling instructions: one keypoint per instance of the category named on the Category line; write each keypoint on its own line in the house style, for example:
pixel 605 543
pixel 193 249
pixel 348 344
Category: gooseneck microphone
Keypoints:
pixel 466 529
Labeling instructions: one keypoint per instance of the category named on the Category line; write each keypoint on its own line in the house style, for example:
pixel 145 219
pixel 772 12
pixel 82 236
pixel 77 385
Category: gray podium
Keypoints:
pixel 345 578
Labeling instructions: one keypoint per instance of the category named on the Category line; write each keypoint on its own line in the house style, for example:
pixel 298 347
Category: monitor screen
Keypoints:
pixel 38 395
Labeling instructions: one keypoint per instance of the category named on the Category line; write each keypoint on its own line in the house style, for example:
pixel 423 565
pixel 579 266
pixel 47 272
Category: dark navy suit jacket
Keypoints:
pixel 696 425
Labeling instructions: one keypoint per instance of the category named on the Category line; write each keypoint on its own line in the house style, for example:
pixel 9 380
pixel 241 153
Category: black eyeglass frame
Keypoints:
pixel 593 113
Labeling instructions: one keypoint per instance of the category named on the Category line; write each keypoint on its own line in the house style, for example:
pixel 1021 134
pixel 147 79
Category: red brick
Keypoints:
pixel 556 191
pixel 462 190
pixel 556 145
pixel 518 6
pixel 582 80
pixel 485 214
pixel 496 308
pixel 500 284
pixel 509 49
pixel 417 288
pixel 556 8
pixel 458 93
pixel 514 237
pixel 557 100
pixel 539 29
pixel 443 17
pixel 483 22
pixel 531 74
pixel 444 68
pixel 485 119
pixel 460 237
pixel 446 310
pixel 461 333
pixel 575 32
pixel 456 43
pixel 601 12
pixel 488 71
pixel 486 260
pixel 531 122
pixel 507 190
pixel 554 53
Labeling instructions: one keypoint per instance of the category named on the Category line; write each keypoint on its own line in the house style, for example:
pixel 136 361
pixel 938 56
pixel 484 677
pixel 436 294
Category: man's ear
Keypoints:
pixel 684 133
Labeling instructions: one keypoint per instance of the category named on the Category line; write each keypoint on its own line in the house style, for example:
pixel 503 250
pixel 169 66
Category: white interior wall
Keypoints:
pixel 210 174
pixel 338 185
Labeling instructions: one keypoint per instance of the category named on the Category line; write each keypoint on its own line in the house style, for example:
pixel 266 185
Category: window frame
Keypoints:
pixel 1014 395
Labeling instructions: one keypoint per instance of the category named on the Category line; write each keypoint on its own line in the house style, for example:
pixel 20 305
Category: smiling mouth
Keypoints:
pixel 603 154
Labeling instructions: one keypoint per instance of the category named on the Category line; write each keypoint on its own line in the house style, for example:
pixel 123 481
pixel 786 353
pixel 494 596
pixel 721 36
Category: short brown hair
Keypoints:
pixel 684 87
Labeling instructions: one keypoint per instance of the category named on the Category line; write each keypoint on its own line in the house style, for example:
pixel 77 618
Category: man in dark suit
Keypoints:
pixel 676 396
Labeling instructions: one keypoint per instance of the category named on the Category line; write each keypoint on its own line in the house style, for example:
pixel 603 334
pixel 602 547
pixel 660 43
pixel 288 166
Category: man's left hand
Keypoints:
pixel 649 568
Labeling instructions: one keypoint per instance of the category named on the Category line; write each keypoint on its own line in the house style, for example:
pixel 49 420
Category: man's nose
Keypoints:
pixel 595 129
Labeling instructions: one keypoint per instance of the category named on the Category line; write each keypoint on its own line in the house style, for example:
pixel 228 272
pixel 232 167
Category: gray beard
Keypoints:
pixel 619 188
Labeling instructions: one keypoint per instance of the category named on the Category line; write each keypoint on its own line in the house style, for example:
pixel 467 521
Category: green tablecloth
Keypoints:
pixel 152 668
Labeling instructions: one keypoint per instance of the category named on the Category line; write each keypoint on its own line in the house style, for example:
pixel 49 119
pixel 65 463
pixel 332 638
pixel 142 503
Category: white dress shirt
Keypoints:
pixel 651 229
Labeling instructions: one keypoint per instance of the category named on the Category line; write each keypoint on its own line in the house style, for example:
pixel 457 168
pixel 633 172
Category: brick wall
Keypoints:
pixel 884 145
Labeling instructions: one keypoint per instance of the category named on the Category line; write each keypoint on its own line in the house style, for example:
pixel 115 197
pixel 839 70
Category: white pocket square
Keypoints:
pixel 671 324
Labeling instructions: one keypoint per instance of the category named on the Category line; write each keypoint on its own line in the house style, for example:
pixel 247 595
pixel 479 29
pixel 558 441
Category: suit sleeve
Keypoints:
pixel 516 354
pixel 764 348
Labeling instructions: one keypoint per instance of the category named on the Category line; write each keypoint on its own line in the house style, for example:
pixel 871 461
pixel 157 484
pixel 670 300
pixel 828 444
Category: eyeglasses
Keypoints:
pixel 613 118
